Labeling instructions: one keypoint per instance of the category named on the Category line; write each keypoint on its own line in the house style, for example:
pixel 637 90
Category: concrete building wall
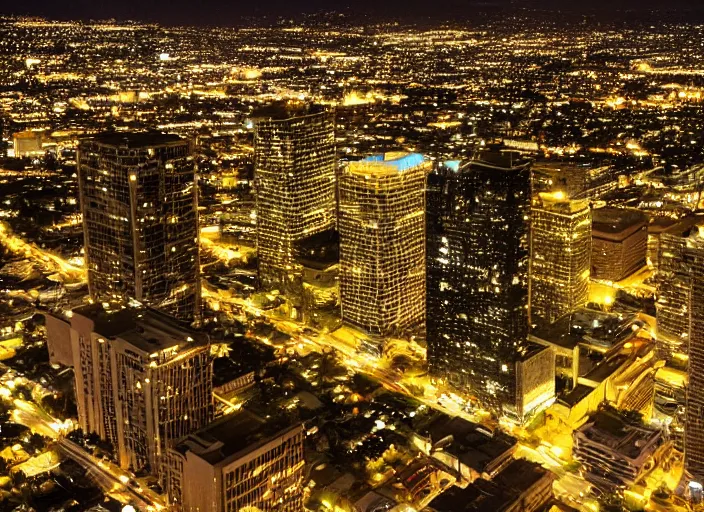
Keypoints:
pixel 616 260
pixel 535 381
pixel 140 394
pixel 58 341
pixel 266 476
pixel 201 489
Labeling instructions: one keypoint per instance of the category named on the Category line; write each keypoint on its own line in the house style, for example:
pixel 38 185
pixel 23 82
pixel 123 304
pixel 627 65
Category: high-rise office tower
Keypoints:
pixel 694 414
pixel 239 463
pixel 478 248
pixel 561 245
pixel 294 174
pixel 139 198
pixel 569 178
pixel 673 288
pixel 619 242
pixel 3 147
pixel 142 381
pixel 382 260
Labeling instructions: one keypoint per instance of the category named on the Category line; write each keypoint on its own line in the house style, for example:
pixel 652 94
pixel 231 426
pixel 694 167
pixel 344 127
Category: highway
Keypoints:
pixel 365 363
pixel 113 480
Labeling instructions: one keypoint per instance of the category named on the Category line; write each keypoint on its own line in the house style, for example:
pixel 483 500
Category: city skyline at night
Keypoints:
pixel 306 258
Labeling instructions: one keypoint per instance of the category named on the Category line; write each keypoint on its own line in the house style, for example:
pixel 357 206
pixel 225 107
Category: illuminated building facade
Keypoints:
pixel 535 380
pixel 561 250
pixel 478 237
pixel 657 225
pixel 139 201
pixel 570 179
pixel 238 463
pixel 619 242
pixel 616 451
pixel 28 143
pixel 294 174
pixel 382 253
pixel 142 381
pixel 673 288
pixel 575 180
pixel 694 414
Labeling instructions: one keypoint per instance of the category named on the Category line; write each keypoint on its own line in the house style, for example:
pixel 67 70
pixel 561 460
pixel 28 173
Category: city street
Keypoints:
pixel 569 487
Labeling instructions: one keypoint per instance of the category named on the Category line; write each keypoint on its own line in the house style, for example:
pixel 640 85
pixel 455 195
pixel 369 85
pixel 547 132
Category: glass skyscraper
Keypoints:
pixel 561 250
pixel 382 262
pixel 477 249
pixel 294 165
pixel 139 201
pixel 694 423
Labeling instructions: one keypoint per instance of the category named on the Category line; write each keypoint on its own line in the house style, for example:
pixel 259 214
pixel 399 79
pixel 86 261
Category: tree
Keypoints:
pixel 18 478
pixel 36 442
pixel 329 368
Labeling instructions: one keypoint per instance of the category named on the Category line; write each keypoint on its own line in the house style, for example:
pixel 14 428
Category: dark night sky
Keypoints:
pixel 231 12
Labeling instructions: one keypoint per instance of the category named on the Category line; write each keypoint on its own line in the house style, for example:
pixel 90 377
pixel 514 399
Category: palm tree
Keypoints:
pixel 329 368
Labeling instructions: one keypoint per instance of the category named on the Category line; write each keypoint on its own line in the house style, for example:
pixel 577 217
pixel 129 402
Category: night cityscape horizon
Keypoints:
pixel 397 257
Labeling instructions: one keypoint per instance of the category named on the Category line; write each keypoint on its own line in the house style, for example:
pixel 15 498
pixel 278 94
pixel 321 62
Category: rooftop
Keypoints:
pixel 452 164
pixel 228 438
pixel 579 393
pixel 529 350
pixel 493 496
pixel 617 223
pixel 500 160
pixel 606 368
pixel 28 134
pixel 136 140
pixel 659 224
pixel 480 496
pixel 471 444
pixel 558 202
pixel 621 433
pixel 520 475
pixel 144 328
pixel 587 327
pixel 686 227
pixel 285 111
pixel 561 166
pixel 387 163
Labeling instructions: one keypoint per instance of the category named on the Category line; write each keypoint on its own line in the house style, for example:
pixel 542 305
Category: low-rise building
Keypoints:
pixel 28 143
pixel 240 462
pixel 467 449
pixel 615 449
pixel 522 486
